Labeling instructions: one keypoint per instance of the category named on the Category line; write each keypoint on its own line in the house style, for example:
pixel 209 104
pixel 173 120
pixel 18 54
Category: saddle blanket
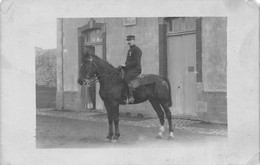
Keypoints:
pixel 144 79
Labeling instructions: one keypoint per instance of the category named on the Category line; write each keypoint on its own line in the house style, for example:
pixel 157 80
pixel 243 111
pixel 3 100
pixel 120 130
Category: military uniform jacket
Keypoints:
pixel 133 63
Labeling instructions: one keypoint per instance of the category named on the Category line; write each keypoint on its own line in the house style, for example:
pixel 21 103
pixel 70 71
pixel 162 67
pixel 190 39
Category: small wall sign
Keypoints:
pixel 129 21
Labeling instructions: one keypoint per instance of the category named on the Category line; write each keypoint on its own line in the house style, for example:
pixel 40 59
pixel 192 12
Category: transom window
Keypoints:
pixel 182 24
pixel 94 36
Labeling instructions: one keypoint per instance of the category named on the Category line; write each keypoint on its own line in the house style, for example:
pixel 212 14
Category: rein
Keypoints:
pixel 96 78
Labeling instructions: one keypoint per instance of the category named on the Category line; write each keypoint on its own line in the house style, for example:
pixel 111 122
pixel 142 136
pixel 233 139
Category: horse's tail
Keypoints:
pixel 170 93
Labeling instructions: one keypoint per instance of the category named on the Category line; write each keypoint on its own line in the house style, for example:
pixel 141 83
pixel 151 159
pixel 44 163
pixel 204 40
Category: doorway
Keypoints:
pixel 181 63
pixel 92 36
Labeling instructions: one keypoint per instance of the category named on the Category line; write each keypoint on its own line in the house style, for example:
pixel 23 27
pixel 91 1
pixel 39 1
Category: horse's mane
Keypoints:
pixel 113 76
pixel 102 61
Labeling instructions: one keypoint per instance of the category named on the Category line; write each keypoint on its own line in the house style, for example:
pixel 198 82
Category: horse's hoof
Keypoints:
pixel 108 138
pixel 158 137
pixel 171 136
pixel 114 140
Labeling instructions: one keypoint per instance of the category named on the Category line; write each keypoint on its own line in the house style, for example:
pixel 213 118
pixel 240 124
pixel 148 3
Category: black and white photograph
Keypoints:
pixel 107 82
pixel 170 90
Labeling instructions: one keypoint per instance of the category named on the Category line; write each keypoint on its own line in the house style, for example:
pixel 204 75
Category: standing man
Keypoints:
pixel 132 65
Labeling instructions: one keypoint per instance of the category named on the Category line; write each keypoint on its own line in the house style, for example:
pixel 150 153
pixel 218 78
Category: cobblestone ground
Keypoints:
pixel 183 124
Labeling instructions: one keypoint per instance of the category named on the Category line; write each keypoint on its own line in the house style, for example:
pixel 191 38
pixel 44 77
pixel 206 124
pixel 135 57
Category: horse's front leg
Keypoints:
pixel 116 122
pixel 110 122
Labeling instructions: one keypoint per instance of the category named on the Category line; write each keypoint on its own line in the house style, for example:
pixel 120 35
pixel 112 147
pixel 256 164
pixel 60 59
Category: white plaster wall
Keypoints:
pixel 214 53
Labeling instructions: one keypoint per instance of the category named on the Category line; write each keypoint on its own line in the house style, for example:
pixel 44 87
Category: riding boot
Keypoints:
pixel 124 94
pixel 124 99
pixel 131 95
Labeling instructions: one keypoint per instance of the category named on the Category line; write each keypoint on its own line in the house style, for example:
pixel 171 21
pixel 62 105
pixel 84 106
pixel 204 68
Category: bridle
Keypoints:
pixel 89 80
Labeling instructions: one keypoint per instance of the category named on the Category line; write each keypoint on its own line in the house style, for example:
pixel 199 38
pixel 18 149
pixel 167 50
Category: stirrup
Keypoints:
pixel 130 100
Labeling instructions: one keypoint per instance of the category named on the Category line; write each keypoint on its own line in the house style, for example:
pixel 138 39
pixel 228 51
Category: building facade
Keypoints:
pixel 190 51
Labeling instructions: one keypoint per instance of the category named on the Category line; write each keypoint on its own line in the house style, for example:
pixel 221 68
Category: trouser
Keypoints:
pixel 130 88
pixel 130 91
pixel 129 76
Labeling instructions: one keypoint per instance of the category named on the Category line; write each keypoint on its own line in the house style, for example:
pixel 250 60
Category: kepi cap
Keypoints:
pixel 130 37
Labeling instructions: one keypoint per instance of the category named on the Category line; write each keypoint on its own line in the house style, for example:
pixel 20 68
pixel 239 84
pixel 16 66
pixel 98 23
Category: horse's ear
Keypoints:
pixel 89 50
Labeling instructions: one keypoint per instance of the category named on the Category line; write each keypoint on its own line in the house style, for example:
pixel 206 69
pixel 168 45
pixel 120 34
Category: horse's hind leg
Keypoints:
pixel 160 113
pixel 169 118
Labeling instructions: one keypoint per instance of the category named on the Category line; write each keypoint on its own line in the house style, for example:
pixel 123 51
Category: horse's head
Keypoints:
pixel 88 71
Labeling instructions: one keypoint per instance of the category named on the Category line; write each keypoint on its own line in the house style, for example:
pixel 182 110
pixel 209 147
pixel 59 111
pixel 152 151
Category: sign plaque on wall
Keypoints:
pixel 129 21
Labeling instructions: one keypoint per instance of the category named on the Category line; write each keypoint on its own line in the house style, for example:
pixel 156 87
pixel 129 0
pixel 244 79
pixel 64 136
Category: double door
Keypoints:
pixel 181 57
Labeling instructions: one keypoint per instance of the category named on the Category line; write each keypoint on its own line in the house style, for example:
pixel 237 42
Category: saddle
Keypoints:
pixel 142 79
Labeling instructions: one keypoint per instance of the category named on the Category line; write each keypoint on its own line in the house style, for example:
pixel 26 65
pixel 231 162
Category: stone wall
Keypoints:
pixel 45 65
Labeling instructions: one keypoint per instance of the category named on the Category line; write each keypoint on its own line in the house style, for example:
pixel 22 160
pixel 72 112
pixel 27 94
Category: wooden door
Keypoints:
pixel 98 101
pixel 181 72
pixel 88 93
pixel 181 57
pixel 93 38
pixel 189 47
pixel 92 35
pixel 176 72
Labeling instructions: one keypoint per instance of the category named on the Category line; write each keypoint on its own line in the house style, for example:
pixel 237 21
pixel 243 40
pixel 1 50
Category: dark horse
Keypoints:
pixel 112 88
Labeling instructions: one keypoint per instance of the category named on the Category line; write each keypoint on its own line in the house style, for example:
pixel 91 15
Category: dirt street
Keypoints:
pixel 57 132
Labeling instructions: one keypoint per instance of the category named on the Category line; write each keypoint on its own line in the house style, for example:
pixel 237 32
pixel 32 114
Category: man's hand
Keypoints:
pixel 122 65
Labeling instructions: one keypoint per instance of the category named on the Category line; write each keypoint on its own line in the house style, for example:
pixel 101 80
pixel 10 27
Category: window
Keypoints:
pixel 93 36
pixel 129 21
pixel 181 24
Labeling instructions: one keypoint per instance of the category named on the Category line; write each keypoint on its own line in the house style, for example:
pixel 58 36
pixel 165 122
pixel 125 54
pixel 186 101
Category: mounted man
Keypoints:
pixel 154 88
pixel 132 66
